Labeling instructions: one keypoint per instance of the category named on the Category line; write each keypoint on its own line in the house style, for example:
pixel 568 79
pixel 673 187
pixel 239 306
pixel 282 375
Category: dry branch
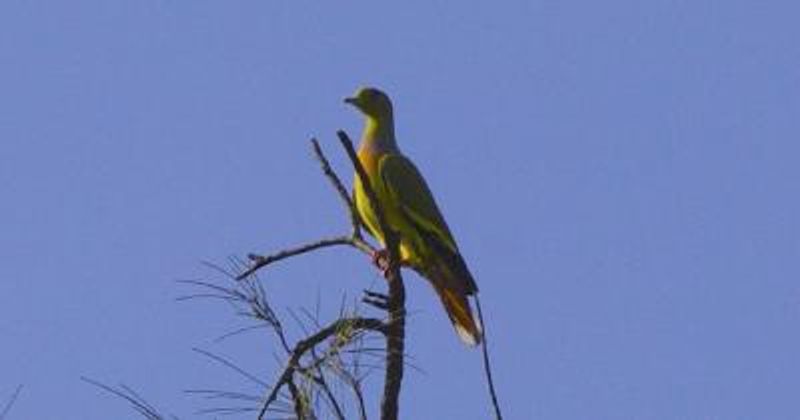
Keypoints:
pixel 306 345
pixel 396 303
pixel 487 367
pixel 10 402
pixel 393 302
pixel 260 261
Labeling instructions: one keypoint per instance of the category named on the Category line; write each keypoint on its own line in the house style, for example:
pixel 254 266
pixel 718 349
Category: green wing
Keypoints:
pixel 411 194
pixel 440 259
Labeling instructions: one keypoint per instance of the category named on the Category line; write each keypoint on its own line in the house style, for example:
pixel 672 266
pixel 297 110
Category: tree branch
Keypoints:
pixel 309 343
pixel 134 399
pixel 319 379
pixel 395 330
pixel 301 408
pixel 487 367
pixel 10 402
pixel 355 239
pixel 260 261
pixel 340 188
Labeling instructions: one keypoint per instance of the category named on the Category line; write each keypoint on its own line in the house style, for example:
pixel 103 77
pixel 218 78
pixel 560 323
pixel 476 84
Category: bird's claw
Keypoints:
pixel 380 259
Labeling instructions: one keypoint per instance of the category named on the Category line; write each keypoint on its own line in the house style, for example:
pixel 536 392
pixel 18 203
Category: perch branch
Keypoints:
pixel 394 303
pixel 260 261
pixel 355 239
pixel 395 324
pixel 340 188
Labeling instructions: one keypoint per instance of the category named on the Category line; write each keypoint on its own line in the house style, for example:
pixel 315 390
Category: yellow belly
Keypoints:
pixel 392 213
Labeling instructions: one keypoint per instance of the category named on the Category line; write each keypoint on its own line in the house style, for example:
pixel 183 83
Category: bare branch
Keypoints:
pixel 352 379
pixel 487 368
pixel 310 342
pixel 340 188
pixel 301 404
pixel 319 379
pixel 11 402
pixel 232 366
pixel 126 393
pixel 393 302
pixel 260 261
pixel 247 297
pixel 355 239
pixel 395 334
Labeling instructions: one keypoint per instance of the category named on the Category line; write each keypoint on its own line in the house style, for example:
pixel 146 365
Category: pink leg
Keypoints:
pixel 381 260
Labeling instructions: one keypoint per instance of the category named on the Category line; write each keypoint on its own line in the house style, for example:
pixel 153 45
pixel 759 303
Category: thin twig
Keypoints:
pixel 307 344
pixel 355 386
pixel 486 366
pixel 340 188
pixel 393 329
pixel 300 403
pixel 355 239
pixel 395 336
pixel 351 378
pixel 320 380
pixel 126 393
pixel 232 366
pixel 329 397
pixel 249 294
pixel 11 402
pixel 260 261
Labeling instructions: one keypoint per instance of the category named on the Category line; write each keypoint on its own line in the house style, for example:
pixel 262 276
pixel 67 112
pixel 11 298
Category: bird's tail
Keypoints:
pixel 458 309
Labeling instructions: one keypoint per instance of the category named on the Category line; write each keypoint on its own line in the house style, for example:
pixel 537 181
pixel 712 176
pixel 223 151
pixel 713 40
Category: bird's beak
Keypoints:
pixel 350 100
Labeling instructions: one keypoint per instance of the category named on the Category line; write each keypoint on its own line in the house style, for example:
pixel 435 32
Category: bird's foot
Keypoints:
pixel 380 259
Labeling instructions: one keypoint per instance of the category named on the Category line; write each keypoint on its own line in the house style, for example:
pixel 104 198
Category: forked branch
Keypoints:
pixel 393 328
pixel 396 303
pixel 305 346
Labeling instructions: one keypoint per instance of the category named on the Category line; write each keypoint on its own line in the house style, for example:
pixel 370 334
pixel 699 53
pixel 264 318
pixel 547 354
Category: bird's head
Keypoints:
pixel 372 102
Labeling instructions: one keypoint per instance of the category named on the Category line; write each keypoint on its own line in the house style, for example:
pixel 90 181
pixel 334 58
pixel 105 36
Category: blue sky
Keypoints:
pixel 621 176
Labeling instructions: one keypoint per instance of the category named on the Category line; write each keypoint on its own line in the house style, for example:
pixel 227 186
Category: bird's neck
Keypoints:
pixel 378 135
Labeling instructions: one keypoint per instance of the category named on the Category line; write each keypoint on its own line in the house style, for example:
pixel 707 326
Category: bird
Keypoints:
pixel 425 242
